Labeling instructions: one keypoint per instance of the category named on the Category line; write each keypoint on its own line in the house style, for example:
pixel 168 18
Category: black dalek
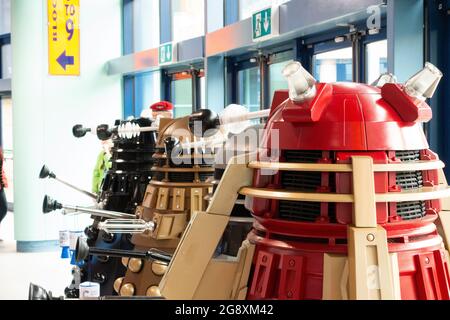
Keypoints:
pixel 122 189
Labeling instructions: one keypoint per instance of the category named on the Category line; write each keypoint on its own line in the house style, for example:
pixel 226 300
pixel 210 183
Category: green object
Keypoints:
pixel 262 23
pixel 166 53
pixel 102 165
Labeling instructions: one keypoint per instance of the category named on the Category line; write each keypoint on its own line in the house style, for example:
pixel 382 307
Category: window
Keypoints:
pixel 252 79
pixel 334 65
pixel 248 7
pixel 7 143
pixel 6 61
pixel 140 92
pixel 276 79
pixel 249 88
pixel 376 60
pixel 188 19
pixel 147 91
pixel 5 16
pixel 145 24
pixel 181 91
pixel 140 25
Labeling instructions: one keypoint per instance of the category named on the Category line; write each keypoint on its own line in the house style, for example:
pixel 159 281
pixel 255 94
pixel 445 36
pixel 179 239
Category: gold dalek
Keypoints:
pixel 181 180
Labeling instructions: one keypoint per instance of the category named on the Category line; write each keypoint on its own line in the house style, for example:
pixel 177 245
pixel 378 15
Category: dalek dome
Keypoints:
pixel 348 116
pixel 352 158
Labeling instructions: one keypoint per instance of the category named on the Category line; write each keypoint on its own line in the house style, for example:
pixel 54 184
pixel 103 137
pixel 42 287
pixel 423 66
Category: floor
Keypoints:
pixel 17 270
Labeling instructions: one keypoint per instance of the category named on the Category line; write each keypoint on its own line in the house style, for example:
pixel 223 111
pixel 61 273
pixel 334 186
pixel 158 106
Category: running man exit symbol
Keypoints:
pixel 167 53
pixel 265 24
pixel 262 23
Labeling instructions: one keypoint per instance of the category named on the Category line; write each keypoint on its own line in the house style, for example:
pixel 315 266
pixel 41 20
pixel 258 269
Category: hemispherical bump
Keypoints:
pixel 158 268
pixel 117 284
pixel 125 262
pixel 153 291
pixel 135 265
pixel 127 290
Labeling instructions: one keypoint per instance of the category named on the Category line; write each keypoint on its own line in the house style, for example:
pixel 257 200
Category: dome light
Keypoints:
pixel 301 82
pixel 423 84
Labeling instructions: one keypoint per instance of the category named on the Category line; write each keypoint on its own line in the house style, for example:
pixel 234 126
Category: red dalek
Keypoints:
pixel 345 194
pixel 347 209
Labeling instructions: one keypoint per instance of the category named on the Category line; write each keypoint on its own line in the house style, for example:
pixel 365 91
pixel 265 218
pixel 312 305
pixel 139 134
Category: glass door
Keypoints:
pixel 181 94
pixel 249 88
pixel 7 143
pixel 333 65
pixel 277 62
pixel 376 60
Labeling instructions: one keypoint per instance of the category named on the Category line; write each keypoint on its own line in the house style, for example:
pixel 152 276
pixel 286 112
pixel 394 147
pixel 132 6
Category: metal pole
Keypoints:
pixel 89 194
pixel 355 57
pixel 264 85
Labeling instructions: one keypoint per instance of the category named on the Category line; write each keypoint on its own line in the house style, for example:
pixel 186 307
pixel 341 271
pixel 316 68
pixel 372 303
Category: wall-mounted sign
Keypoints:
pixel 167 53
pixel 265 24
pixel 63 37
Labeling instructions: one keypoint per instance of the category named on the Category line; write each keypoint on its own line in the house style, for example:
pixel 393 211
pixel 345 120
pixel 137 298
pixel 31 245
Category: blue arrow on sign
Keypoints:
pixel 65 60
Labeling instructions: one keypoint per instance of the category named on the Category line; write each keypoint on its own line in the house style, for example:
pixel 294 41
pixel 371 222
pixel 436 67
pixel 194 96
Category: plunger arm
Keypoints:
pixel 46 173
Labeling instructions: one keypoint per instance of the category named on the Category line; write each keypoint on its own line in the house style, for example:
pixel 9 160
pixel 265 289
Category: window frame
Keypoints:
pixel 130 87
pixel 310 46
pixel 127 27
pixel 128 43
pixel 178 76
pixel 300 49
pixel 129 81
pixel 5 39
pixel 263 58
pixel 327 46
pixel 194 72
pixel 230 11
pixel 365 41
pixel 274 58
pixel 171 20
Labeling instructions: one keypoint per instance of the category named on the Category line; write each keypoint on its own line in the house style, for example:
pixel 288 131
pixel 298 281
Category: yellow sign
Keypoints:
pixel 64 37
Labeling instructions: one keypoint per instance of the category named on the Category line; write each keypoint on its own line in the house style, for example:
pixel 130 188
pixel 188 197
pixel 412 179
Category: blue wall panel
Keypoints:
pixel 215 83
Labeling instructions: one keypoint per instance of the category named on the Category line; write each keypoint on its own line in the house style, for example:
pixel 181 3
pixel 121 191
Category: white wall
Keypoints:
pixel 51 105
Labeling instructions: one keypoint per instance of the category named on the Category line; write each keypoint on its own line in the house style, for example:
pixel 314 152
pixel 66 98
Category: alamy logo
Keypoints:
pixel 374 20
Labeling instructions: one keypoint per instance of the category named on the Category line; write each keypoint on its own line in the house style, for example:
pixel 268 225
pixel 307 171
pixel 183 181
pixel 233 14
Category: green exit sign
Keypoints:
pixel 265 24
pixel 167 53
